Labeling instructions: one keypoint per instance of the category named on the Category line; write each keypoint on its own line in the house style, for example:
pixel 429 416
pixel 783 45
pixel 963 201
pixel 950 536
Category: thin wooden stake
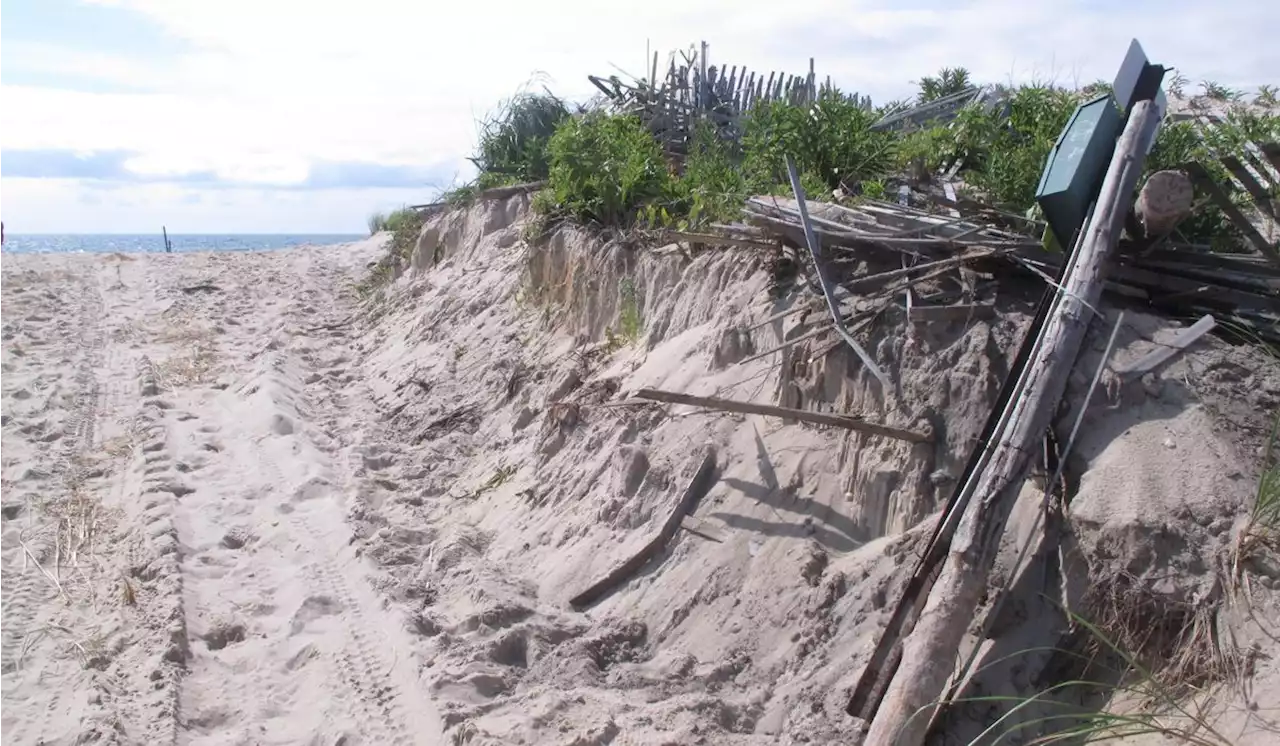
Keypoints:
pixel 845 421
pixel 832 305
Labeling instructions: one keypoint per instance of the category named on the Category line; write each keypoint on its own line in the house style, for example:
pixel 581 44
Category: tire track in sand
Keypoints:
pixel 290 644
pixel 35 661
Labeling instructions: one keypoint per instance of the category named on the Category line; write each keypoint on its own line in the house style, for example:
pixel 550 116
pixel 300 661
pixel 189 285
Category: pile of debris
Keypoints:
pixel 965 242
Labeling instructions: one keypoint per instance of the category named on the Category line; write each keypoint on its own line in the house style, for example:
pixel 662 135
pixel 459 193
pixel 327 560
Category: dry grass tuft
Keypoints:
pixel 1180 643
pixel 196 361
pixel 1261 535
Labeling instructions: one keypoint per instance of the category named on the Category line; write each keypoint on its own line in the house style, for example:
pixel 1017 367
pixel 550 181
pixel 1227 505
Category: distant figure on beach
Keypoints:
pixel 1 233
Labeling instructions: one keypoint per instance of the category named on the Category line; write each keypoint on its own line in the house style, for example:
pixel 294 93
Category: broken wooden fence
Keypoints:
pixel 693 90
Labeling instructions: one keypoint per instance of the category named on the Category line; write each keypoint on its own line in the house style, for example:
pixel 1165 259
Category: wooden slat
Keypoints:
pixel 701 483
pixel 1204 181
pixel 847 422
pixel 1261 197
pixel 1184 339
pixel 1272 151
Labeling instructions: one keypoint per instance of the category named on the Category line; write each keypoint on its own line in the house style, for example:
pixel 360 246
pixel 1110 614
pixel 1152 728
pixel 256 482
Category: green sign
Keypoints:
pixel 1076 166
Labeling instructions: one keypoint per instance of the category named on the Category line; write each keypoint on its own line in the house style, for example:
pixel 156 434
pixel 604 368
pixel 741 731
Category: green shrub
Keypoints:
pixel 514 139
pixel 712 187
pixel 1003 157
pixel 394 221
pixel 604 168
pixel 949 81
pixel 405 225
pixel 831 140
pixel 923 152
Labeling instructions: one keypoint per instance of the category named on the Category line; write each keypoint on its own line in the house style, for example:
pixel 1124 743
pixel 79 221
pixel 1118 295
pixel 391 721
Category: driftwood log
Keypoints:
pixel 913 693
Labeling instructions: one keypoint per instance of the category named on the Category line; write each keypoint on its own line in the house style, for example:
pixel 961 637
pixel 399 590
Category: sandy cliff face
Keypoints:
pixel 515 477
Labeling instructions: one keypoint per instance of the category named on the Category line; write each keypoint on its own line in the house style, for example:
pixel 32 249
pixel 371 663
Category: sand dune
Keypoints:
pixel 248 502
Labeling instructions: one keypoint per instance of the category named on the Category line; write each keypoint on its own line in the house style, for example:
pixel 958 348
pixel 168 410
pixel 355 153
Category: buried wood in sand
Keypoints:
pixel 802 415
pixel 699 485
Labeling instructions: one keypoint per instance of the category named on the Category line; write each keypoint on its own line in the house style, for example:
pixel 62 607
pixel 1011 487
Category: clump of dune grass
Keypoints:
pixel 1261 534
pixel 405 225
pixel 1112 694
pixel 514 138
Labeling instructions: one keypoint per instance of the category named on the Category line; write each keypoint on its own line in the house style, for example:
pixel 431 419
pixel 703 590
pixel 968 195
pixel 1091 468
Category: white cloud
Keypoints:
pixel 270 86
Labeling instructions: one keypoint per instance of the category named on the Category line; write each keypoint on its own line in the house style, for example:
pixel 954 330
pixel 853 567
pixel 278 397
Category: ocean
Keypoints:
pixel 152 242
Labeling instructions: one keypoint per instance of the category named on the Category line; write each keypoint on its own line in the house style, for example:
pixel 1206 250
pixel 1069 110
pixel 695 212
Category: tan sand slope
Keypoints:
pixel 243 505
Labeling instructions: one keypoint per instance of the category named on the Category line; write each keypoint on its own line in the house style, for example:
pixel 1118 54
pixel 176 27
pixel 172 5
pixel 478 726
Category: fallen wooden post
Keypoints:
pixel 1182 341
pixel 701 483
pixel 914 692
pixel 768 410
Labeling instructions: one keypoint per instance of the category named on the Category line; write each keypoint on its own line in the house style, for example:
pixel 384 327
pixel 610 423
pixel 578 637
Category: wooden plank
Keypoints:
pixel 1254 158
pixel 1204 181
pixel 701 483
pixel 714 238
pixel 949 190
pixel 1272 151
pixel 1183 340
pixel 1261 197
pixel 847 422
pixel 915 689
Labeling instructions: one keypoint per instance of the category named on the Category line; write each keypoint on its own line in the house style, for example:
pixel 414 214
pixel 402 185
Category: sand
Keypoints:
pixel 247 502
pixel 176 447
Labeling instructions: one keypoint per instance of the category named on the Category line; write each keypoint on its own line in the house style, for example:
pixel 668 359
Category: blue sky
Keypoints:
pixel 285 116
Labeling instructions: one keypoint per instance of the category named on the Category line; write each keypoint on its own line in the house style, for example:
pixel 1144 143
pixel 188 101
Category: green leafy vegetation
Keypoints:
pixel 949 81
pixel 405 225
pixel 1218 92
pixel 832 142
pixel 514 139
pixel 1267 96
pixel 394 221
pixel 608 170
pixel 603 168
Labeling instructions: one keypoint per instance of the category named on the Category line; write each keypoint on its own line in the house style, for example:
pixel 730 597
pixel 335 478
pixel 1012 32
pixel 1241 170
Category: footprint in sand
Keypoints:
pixel 281 425
pixel 313 608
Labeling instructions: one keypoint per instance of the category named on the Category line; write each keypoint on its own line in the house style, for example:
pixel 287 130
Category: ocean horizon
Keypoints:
pixel 105 243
